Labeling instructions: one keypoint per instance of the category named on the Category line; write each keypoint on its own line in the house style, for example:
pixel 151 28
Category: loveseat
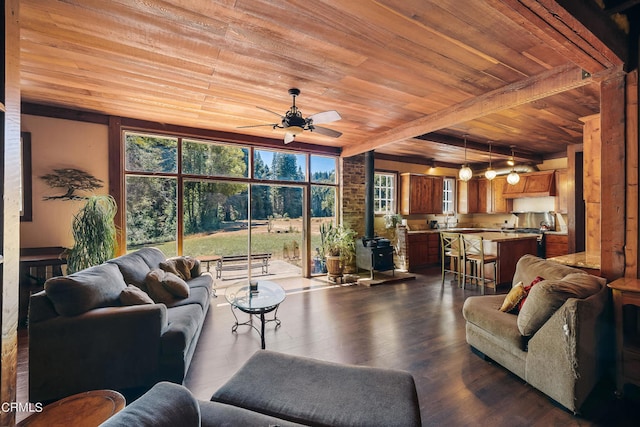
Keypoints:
pixel 276 389
pixel 553 334
pixel 123 325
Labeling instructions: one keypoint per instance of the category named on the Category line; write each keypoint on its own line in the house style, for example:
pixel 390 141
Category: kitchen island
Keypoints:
pixel 509 248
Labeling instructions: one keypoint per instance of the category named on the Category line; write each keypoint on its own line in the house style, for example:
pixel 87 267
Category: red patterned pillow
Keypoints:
pixel 527 288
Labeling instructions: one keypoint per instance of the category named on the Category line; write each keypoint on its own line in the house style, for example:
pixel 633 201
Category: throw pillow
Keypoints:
pixel 513 298
pixel 527 289
pixel 548 296
pixel 132 295
pixel 165 287
pixel 155 287
pixel 180 266
pixel 176 285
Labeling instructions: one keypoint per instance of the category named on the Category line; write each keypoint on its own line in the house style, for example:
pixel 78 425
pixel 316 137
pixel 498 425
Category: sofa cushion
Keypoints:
pixel 315 392
pixel 530 266
pixel 133 268
pixel 483 311
pixel 183 324
pixel 151 256
pixel 513 298
pixel 133 295
pixel 94 287
pixel 200 296
pixel 180 266
pixel 166 287
pixel 549 295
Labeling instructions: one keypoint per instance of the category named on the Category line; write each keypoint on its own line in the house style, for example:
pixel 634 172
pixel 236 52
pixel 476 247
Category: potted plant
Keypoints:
pixel 94 233
pixel 338 243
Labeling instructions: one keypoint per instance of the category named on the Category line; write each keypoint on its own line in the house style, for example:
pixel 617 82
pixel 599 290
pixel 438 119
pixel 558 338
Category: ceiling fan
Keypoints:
pixel 294 123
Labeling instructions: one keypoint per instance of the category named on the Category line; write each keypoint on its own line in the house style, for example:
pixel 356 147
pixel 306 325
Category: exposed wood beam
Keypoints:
pixel 416 161
pixel 577 29
pixel 540 86
pixel 480 147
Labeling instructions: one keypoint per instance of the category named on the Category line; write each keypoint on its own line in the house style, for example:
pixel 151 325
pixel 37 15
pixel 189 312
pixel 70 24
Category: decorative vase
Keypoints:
pixel 334 266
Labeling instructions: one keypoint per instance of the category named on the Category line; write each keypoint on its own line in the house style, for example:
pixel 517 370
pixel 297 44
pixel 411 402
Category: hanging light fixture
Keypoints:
pixel 465 172
pixel 490 173
pixel 513 178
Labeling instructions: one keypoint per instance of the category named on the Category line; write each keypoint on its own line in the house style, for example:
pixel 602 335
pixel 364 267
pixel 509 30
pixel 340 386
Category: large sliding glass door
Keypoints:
pixel 191 197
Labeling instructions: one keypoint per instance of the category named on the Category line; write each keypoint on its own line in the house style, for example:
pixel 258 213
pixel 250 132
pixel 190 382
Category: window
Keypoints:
pixel 447 195
pixel 384 192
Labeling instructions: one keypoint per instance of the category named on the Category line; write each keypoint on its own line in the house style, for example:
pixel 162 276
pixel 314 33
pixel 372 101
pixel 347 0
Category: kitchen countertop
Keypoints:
pixel 580 260
pixel 497 236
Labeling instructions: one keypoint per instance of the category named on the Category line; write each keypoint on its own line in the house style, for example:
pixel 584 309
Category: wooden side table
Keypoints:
pixel 626 291
pixel 88 409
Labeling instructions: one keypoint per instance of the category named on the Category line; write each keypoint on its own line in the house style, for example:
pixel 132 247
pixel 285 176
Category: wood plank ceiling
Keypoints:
pixel 508 71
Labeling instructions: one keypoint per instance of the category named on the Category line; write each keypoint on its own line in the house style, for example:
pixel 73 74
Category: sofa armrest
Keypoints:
pixel 105 348
pixel 565 355
pixel 195 271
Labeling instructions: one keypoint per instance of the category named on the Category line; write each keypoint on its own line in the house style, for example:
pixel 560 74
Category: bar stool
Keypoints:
pixel 473 254
pixel 451 254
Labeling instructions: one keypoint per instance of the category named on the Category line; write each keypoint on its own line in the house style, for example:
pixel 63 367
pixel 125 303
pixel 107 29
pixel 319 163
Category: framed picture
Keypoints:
pixel 26 205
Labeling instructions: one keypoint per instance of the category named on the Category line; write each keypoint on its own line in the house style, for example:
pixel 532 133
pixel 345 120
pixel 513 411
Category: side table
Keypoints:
pixel 88 409
pixel 626 292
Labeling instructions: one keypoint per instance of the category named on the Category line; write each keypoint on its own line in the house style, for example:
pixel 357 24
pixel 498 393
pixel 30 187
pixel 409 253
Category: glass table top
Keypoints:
pixel 265 295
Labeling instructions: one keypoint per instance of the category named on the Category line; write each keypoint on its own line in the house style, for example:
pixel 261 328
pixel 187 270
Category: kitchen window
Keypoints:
pixel 448 188
pixel 384 192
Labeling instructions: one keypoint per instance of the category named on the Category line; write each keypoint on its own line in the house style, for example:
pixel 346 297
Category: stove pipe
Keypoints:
pixel 368 194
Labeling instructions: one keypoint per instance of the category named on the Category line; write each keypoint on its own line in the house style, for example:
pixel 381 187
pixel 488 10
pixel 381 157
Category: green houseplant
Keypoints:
pixel 94 233
pixel 339 247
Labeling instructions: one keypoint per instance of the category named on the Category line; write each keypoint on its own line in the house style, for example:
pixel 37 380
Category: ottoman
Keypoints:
pixel 309 391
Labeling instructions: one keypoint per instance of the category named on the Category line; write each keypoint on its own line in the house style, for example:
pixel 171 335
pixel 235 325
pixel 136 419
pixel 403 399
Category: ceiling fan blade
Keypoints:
pixel 325 117
pixel 288 137
pixel 255 126
pixel 326 131
pixel 272 112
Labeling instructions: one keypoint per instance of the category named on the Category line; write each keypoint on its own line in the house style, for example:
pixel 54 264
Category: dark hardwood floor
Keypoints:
pixel 415 325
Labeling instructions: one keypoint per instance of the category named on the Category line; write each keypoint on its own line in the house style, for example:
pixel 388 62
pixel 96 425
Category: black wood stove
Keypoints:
pixel 374 254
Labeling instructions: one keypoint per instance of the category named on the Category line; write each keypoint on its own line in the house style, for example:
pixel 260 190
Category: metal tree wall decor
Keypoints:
pixel 73 180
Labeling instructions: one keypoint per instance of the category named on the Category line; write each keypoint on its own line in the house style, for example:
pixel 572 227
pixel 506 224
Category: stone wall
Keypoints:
pixel 352 193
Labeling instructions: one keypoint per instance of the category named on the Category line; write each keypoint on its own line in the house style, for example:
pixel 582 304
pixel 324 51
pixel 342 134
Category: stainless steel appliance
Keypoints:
pixel 535 223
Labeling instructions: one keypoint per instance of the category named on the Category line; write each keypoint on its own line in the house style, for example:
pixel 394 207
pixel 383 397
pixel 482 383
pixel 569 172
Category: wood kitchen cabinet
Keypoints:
pixel 423 249
pixel 420 194
pixel 500 204
pixel 556 245
pixel 474 196
pixel 535 184
pixel 562 191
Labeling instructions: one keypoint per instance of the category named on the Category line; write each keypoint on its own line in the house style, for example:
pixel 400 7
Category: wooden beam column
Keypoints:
pixel 613 179
pixel 632 254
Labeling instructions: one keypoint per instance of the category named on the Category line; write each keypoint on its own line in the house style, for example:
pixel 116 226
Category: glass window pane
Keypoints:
pixel 279 165
pixel 323 202
pixel 151 213
pixel 203 158
pixel 323 169
pixel 149 153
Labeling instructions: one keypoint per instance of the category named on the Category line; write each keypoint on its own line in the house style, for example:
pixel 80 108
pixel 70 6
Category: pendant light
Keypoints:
pixel 513 178
pixel 490 173
pixel 465 172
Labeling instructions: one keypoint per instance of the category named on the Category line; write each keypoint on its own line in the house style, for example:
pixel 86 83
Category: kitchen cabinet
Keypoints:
pixel 500 204
pixel 474 196
pixel 556 245
pixel 420 194
pixel 423 249
pixel 535 184
pixel 562 191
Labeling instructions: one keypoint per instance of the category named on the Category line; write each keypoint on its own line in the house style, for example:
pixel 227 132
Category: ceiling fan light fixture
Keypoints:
pixel 295 130
pixel 465 172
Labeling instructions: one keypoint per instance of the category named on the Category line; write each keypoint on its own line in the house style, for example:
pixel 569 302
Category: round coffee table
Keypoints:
pixel 258 298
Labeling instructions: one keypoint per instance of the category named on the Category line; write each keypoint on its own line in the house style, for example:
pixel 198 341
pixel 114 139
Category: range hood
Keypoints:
pixel 535 184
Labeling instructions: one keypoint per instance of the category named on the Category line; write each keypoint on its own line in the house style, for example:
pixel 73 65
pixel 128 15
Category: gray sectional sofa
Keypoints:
pixel 99 328
pixel 558 341
pixel 276 389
